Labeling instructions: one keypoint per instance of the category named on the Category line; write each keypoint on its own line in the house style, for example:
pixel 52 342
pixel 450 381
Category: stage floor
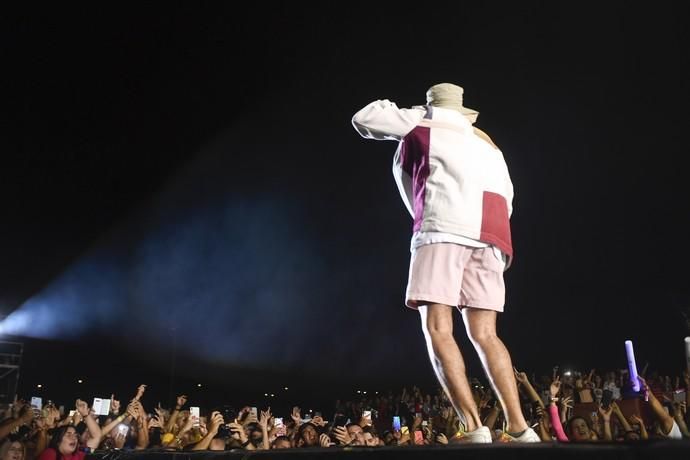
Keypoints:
pixel 665 450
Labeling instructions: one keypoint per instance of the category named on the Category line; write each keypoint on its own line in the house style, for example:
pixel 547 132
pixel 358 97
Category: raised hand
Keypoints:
pixel 441 438
pixel 324 440
pixel 82 408
pixel 342 435
pixel 318 421
pixel 26 414
pixel 567 402
pixel 263 419
pixel 188 424
pixel 53 415
pixel 521 377
pixel 114 404
pixel 237 431
pixel 555 387
pixel 216 422
pixel 132 410
pixel 606 413
pixel 140 392
pixel 295 415
pixel 636 420
pixel 156 422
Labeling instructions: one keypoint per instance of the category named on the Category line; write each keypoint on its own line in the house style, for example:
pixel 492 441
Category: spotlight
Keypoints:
pixel 80 381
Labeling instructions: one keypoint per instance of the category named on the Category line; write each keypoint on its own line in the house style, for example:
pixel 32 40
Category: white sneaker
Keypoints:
pixel 528 436
pixel 481 435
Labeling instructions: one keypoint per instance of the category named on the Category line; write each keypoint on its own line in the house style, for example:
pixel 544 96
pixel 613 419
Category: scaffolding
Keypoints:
pixel 10 362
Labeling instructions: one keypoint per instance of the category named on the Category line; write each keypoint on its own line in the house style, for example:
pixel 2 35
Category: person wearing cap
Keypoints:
pixel 455 183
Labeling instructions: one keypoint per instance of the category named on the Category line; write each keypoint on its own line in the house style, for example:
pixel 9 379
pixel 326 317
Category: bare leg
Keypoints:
pixel 481 329
pixel 437 324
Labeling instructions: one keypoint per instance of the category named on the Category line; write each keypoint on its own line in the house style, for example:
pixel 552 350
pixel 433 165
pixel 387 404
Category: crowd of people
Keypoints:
pixel 561 407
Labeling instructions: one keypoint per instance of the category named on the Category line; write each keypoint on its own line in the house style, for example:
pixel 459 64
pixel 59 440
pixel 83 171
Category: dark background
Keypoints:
pixel 132 132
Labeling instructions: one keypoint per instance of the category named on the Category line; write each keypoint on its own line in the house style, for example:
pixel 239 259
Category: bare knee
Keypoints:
pixel 437 323
pixel 480 325
pixel 481 336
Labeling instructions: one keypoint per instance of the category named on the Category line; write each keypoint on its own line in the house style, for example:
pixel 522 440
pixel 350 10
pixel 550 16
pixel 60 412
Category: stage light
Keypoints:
pixel 80 381
pixel 39 386
pixel 285 388
pixel 199 385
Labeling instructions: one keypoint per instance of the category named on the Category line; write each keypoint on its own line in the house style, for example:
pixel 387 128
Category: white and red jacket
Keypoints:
pixel 452 180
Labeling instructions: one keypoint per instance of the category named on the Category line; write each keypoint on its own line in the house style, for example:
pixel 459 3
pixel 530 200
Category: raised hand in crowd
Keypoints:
pixel 566 405
pixel 263 423
pixel 214 424
pixel 637 420
pixel 324 440
pixel 666 421
pixel 342 435
pixel 114 405
pixel 140 392
pixel 296 416
pixel 606 413
pixel 238 433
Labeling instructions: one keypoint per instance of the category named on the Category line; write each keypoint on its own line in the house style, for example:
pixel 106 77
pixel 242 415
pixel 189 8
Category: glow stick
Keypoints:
pixel 632 367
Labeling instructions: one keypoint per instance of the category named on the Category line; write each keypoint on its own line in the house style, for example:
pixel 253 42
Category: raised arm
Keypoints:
pixel 26 415
pixel 621 418
pixel 181 401
pixel 665 420
pixel 522 380
pixel 96 434
pixel 554 389
pixel 383 120
pixel 213 427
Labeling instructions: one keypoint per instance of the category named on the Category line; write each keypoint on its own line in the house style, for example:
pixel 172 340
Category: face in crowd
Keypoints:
pixel 12 451
pixel 579 430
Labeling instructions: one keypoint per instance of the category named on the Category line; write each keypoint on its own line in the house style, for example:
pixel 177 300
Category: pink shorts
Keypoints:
pixel 456 275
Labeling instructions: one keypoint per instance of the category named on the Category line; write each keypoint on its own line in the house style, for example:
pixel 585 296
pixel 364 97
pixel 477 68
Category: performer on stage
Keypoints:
pixel 455 184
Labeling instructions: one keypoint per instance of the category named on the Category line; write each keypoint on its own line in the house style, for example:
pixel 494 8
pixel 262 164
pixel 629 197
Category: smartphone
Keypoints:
pixel 679 396
pixel 36 402
pixel 340 420
pixel 122 429
pixel 404 430
pixel 418 437
pixel 425 423
pixel 317 414
pixel 280 426
pixel 396 423
pixel 253 412
pixel 606 398
pixel 194 413
pixel 366 414
pixel 72 412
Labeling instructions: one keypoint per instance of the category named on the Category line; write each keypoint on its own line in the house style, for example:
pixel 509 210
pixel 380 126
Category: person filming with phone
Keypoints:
pixel 455 183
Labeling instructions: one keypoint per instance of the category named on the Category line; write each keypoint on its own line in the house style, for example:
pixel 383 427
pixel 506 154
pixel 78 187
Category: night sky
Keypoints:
pixel 184 198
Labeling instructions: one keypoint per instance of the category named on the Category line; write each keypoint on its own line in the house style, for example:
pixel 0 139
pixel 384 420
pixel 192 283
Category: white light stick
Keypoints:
pixel 632 367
